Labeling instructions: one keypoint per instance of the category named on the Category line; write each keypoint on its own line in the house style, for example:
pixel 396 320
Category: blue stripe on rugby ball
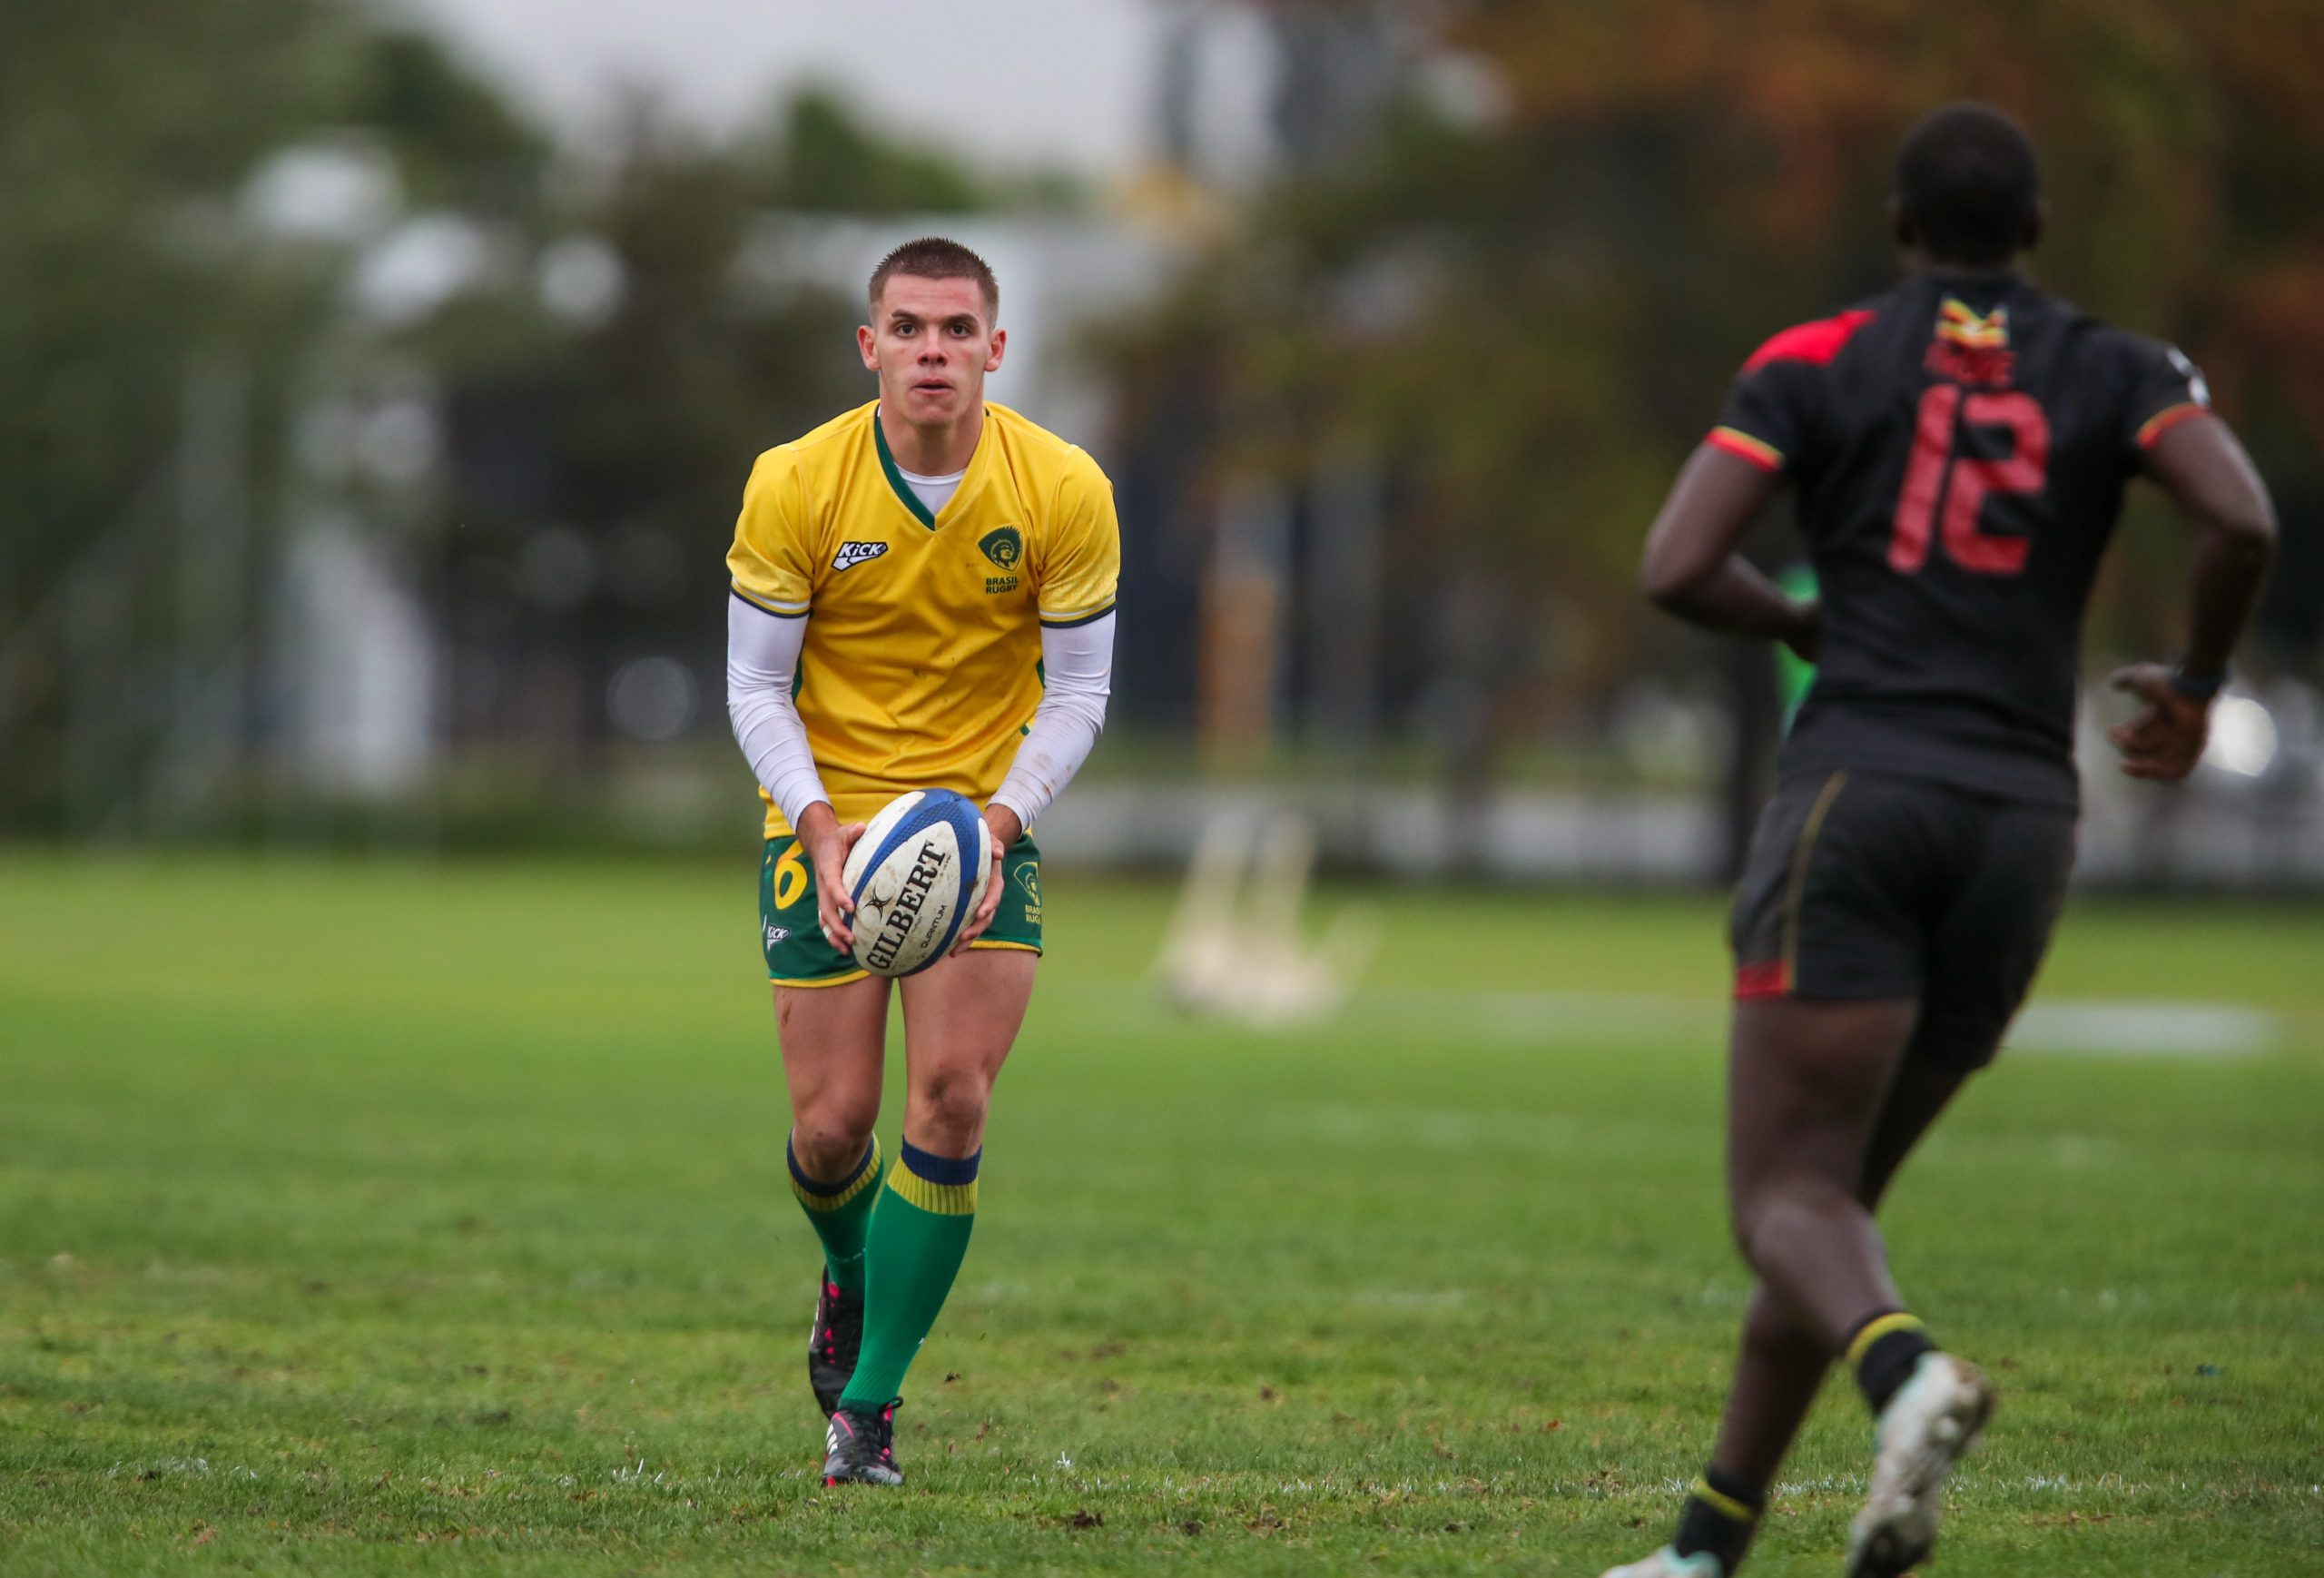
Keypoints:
pixel 936 805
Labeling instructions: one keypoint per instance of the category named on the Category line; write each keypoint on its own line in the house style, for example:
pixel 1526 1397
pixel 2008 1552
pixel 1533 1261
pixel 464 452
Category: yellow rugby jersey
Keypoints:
pixel 921 668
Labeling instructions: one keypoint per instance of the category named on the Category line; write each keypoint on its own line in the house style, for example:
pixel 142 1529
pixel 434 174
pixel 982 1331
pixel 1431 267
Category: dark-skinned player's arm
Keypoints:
pixel 1691 569
pixel 2203 470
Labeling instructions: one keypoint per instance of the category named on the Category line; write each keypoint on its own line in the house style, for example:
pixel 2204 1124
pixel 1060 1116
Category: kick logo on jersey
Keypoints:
pixel 851 554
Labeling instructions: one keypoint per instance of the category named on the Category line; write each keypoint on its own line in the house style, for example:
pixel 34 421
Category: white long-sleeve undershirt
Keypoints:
pixel 1077 675
pixel 762 655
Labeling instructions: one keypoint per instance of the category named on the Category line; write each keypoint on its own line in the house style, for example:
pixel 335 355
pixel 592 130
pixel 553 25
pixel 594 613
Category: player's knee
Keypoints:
pixel 827 1137
pixel 952 1103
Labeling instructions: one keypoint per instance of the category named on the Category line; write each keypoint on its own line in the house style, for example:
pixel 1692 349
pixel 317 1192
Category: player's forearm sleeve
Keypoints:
pixel 1078 673
pixel 762 655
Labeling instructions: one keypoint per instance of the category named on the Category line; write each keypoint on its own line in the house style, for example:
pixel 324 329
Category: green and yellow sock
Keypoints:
pixel 918 1235
pixel 841 1212
pixel 1884 1350
pixel 1720 1516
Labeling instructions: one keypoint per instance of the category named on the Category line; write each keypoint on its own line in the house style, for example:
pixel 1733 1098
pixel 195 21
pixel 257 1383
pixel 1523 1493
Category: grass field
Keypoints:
pixel 378 1218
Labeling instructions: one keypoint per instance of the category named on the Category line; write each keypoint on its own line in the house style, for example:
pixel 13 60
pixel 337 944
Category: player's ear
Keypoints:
pixel 866 342
pixel 1000 345
pixel 2036 224
pixel 1900 225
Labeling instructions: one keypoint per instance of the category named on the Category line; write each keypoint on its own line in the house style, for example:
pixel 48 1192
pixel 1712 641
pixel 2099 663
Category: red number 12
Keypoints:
pixel 1980 552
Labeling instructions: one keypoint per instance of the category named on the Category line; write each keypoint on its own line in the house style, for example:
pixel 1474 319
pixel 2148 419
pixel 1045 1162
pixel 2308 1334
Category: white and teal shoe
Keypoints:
pixel 1668 1563
pixel 1927 1427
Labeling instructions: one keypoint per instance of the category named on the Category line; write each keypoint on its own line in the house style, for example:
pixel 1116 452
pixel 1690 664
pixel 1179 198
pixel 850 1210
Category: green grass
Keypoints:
pixel 372 1218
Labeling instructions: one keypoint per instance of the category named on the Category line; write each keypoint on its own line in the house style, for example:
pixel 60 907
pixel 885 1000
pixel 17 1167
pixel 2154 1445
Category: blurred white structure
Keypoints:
pixel 1234 951
pixel 359 664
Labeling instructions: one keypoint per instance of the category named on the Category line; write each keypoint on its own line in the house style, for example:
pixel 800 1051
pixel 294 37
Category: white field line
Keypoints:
pixel 2068 1027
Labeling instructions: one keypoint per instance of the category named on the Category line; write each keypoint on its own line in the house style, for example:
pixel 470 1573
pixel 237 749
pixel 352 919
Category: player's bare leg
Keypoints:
pixel 961 1018
pixel 1806 1085
pixel 834 1045
pixel 1782 1363
pixel 1810 1083
pixel 1785 1354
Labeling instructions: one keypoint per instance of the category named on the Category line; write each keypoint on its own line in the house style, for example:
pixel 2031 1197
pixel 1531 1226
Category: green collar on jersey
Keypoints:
pixel 912 500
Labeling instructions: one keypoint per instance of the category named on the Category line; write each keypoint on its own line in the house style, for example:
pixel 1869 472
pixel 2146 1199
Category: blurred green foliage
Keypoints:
pixel 123 129
pixel 1529 310
pixel 152 272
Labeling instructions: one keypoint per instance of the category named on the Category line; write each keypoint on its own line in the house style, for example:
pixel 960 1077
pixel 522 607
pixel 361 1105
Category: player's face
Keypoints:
pixel 932 346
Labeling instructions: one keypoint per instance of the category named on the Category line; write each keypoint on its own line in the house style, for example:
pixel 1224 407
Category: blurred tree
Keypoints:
pixel 816 154
pixel 598 459
pixel 457 143
pixel 1529 309
pixel 125 134
pixel 157 304
pixel 820 158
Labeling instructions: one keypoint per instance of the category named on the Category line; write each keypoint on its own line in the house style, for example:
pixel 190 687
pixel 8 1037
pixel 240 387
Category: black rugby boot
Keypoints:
pixel 833 1345
pixel 860 1448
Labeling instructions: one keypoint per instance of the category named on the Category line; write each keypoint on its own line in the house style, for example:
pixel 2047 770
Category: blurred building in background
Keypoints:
pixel 368 452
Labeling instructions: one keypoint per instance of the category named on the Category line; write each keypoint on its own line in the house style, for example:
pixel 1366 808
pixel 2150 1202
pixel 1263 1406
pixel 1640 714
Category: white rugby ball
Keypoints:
pixel 916 875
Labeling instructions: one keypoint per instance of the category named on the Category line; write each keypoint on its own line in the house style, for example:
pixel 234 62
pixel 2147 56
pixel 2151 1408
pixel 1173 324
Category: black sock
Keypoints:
pixel 1884 1350
pixel 1720 1515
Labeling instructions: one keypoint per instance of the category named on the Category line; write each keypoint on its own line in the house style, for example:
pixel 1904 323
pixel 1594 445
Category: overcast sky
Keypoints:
pixel 1050 82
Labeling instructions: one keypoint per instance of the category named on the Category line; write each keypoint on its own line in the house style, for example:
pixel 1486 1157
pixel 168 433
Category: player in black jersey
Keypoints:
pixel 1958 448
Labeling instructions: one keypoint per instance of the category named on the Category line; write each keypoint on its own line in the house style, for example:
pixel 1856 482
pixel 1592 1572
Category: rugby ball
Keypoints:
pixel 916 875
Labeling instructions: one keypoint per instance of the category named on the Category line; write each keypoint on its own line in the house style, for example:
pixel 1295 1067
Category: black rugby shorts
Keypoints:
pixel 1868 884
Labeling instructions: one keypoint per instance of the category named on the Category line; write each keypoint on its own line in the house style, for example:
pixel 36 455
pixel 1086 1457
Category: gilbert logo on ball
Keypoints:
pixel 916 875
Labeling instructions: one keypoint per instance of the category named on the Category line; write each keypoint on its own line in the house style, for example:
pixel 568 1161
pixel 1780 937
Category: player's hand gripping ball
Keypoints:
pixel 916 875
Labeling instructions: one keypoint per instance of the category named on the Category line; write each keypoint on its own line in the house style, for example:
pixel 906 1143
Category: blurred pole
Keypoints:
pixel 1342 613
pixel 204 733
pixel 1178 86
pixel 1243 606
pixel 1340 65
pixel 96 702
pixel 1339 616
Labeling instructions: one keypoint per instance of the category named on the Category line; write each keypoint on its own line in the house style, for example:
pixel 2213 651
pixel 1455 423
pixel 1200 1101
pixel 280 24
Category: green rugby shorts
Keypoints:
pixel 797 954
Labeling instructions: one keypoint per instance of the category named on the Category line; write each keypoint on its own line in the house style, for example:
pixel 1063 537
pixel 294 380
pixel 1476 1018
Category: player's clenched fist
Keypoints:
pixel 2166 740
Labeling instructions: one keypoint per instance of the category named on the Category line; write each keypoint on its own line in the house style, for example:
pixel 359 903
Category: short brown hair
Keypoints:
pixel 932 257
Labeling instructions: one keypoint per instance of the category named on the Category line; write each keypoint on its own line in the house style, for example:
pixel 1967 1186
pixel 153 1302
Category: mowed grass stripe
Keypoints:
pixel 433 1216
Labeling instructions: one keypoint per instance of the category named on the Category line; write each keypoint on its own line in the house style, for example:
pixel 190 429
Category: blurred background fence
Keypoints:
pixel 377 385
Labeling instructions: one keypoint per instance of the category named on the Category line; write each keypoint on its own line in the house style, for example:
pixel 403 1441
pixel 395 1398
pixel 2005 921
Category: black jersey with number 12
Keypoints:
pixel 1959 447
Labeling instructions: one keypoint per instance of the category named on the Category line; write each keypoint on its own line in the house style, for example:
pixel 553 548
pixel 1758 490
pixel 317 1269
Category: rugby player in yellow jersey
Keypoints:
pixel 924 594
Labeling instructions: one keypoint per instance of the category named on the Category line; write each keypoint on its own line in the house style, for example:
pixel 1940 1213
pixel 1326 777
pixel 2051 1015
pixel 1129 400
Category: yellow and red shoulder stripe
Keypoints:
pixel 2169 417
pixel 1736 441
